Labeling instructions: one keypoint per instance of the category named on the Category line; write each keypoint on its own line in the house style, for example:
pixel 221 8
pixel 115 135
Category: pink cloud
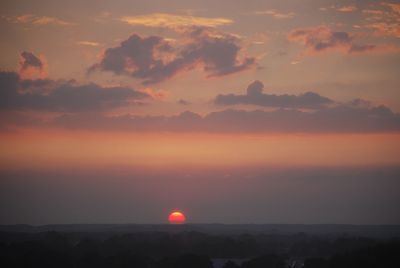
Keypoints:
pixel 32 66
pixel 383 19
pixel 323 39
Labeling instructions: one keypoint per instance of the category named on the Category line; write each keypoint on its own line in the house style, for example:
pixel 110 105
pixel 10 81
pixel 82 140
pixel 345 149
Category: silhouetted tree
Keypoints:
pixel 379 256
pixel 316 263
pixel 230 264
pixel 267 261
pixel 193 261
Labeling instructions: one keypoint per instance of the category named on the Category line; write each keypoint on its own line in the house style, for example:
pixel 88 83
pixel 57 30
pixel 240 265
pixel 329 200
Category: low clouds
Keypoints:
pixel 345 118
pixel 323 39
pixel 255 96
pixel 75 101
pixel 174 21
pixel 61 96
pixel 82 106
pixel 153 59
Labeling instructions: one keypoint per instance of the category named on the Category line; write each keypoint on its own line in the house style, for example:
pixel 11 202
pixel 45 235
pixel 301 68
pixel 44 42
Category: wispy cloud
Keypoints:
pixel 174 21
pixel 276 14
pixel 384 28
pixel 394 6
pixel 383 19
pixel 344 9
pixel 88 43
pixel 347 9
pixel 41 20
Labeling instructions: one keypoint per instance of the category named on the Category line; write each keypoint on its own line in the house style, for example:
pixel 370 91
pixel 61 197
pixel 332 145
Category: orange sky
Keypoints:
pixel 50 148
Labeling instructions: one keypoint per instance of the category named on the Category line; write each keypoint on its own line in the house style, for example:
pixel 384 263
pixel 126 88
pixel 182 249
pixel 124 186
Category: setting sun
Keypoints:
pixel 176 217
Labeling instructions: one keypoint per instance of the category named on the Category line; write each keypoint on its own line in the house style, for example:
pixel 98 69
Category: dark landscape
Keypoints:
pixel 200 246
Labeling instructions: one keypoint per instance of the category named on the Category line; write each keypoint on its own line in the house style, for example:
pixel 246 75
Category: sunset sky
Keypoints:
pixel 231 111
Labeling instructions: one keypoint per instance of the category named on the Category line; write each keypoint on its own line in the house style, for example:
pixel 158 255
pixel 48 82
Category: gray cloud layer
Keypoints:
pixel 65 96
pixel 338 119
pixel 255 96
pixel 346 118
pixel 18 96
pixel 153 59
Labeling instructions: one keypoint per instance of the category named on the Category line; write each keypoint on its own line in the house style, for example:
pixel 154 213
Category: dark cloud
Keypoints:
pixel 322 39
pixel 134 56
pixel 219 52
pixel 153 59
pixel 68 96
pixel 183 102
pixel 29 60
pixel 255 96
pixel 344 118
pixel 362 48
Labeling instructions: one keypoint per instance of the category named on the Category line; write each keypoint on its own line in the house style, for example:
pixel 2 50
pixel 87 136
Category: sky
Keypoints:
pixel 230 111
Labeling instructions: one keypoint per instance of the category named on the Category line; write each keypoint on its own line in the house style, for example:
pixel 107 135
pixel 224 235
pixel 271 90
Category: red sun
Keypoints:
pixel 176 217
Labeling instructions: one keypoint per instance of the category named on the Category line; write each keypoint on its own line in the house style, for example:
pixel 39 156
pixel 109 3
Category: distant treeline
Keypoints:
pixel 193 250
pixel 375 231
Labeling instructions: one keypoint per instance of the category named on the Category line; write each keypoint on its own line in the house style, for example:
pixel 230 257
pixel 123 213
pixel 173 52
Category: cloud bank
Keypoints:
pixel 345 118
pixel 82 106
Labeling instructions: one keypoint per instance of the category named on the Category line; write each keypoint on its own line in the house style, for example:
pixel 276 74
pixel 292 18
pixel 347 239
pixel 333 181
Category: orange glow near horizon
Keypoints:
pixel 53 149
pixel 176 217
